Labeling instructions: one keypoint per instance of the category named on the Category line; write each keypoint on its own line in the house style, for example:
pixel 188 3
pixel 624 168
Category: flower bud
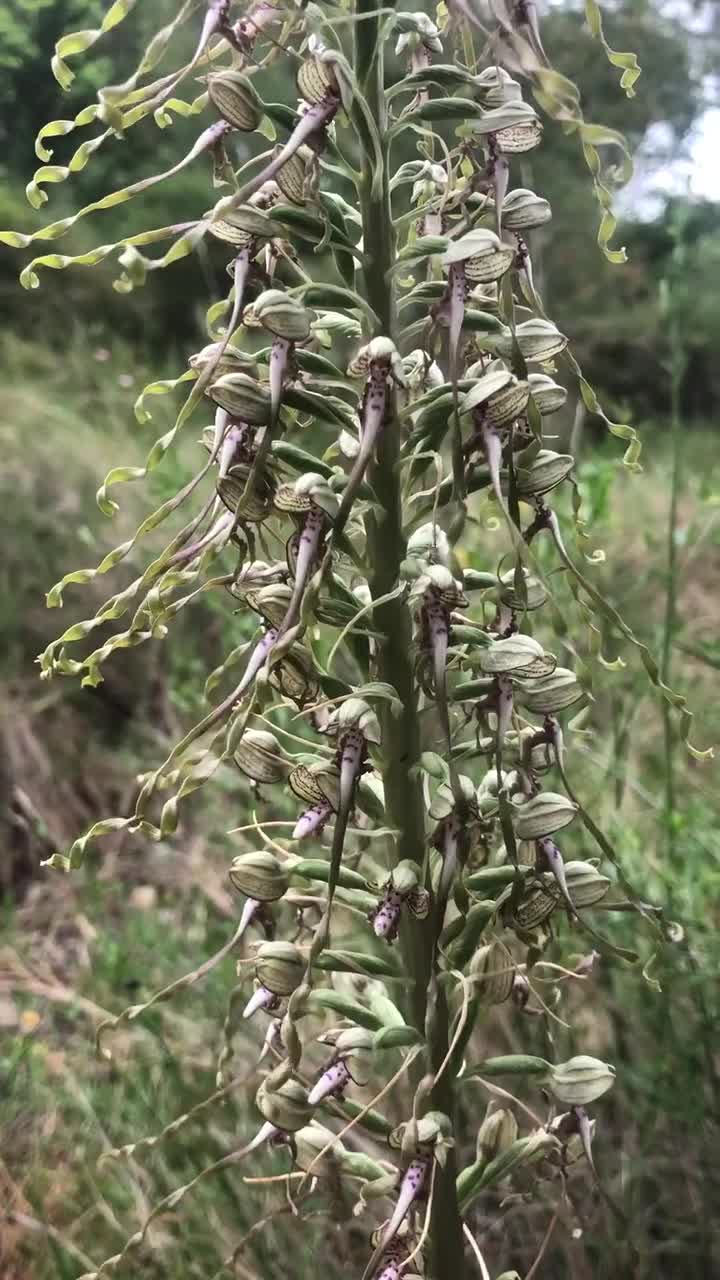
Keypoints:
pixel 536 905
pixel 253 505
pixel 496 86
pixel 243 398
pixel 496 1133
pixel 513 654
pixel 534 596
pixel 234 96
pixel 522 210
pixel 287 1107
pixel 537 339
pixel 260 757
pixel 232 360
pixel 316 784
pixel 316 80
pixel 292 178
pixel 243 225
pixel 546 471
pixel 515 126
pixel 543 815
pixel 492 970
pixel 499 395
pixel 485 256
pixel 355 713
pixel 580 1080
pixel 259 875
pixel 549 694
pixel 548 395
pixel 282 315
pixel 308 491
pixel 585 884
pixel 313 1139
pixel 279 966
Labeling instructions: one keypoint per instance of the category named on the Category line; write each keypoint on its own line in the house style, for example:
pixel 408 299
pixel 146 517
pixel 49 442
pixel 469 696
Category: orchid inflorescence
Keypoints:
pixel 382 376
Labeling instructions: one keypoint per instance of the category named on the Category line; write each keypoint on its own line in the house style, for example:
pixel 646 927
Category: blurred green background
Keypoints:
pixel 74 356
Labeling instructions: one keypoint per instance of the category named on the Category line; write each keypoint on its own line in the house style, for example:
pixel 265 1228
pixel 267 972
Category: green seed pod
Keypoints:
pixel 316 80
pixel 260 757
pixel 252 506
pixel 259 875
pixel 544 814
pixel 492 972
pixel 546 472
pixel 485 256
pixel 279 966
pixel 496 1133
pixel 233 95
pixel 537 339
pixel 535 592
pixel 243 398
pixel 287 1107
pixel 514 653
pixel 550 694
pixel 581 1080
pixel 548 395
pixel 316 783
pixel 282 315
pixel 522 210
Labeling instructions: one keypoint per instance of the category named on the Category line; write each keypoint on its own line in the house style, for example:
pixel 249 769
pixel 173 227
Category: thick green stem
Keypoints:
pixel 400 736
pixel 676 377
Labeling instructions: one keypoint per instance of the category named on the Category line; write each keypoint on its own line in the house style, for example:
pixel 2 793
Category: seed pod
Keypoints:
pixel 496 1133
pixel 295 177
pixel 514 653
pixel 234 96
pixel 316 80
pixel 548 395
pixel 537 339
pixel 522 210
pixel 550 694
pixel 252 506
pixel 282 316
pixel 243 398
pixel 287 1107
pixel 279 966
pixel 580 1080
pixel 499 395
pixel 534 596
pixel 485 256
pixel 260 757
pixel 545 472
pixel 492 971
pixel 259 875
pixel 543 815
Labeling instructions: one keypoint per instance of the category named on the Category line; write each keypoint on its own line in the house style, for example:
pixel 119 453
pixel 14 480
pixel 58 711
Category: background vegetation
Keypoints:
pixel 74 355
